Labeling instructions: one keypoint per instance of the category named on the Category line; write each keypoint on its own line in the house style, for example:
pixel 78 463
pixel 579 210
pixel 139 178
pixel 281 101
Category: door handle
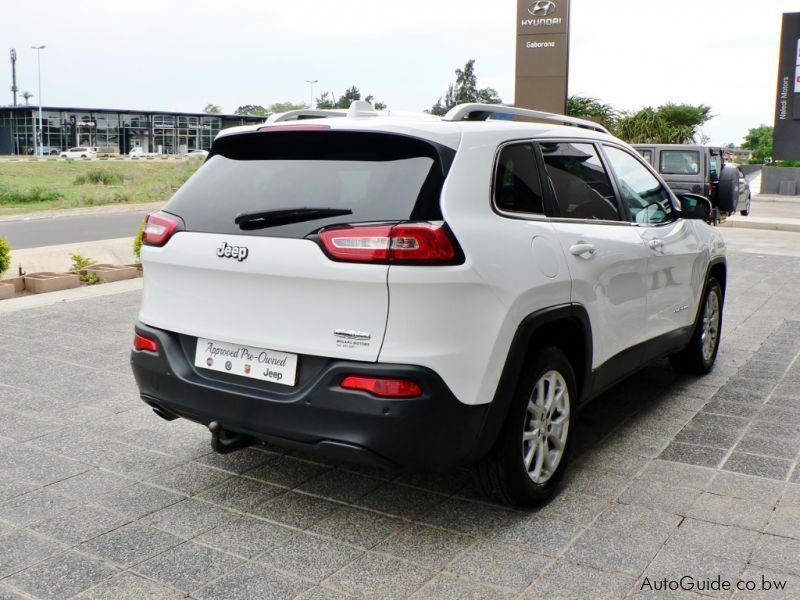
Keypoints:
pixel 655 244
pixel 582 248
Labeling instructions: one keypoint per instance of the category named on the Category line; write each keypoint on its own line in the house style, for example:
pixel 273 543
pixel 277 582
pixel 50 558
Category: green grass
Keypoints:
pixel 52 185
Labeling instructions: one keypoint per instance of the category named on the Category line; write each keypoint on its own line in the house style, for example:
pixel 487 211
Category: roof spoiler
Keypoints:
pixel 483 112
pixel 358 108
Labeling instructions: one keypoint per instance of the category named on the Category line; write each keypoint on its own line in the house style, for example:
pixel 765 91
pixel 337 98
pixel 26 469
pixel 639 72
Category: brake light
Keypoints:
pixel 141 342
pixel 159 228
pixel 410 244
pixel 382 386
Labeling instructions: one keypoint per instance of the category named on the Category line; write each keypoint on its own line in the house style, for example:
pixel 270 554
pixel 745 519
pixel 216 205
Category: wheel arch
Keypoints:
pixel 566 327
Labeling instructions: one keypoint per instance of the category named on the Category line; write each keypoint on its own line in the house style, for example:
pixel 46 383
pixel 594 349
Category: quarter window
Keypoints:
pixel 680 162
pixel 647 200
pixel 579 181
pixel 516 184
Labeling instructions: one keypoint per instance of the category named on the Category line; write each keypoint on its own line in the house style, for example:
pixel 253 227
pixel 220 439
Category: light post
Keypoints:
pixel 311 97
pixel 39 69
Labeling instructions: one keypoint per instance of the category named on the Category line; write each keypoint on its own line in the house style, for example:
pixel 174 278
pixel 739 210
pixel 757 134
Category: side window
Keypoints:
pixel 579 181
pixel 516 182
pixel 645 197
pixel 715 166
pixel 646 154
pixel 679 162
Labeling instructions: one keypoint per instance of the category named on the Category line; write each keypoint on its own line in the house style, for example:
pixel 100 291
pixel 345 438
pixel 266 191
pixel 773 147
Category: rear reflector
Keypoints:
pixel 141 342
pixel 158 228
pixel 383 387
pixel 409 244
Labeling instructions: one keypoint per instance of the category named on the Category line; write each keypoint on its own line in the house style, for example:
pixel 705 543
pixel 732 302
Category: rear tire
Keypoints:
pixel 529 458
pixel 699 355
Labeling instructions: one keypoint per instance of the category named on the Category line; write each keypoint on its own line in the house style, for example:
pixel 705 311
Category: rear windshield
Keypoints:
pixel 377 176
pixel 680 162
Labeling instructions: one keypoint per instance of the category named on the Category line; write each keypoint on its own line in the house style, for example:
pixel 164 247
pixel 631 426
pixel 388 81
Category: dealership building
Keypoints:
pixel 111 131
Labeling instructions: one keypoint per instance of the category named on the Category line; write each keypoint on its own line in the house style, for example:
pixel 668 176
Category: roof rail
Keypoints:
pixel 483 112
pixel 358 108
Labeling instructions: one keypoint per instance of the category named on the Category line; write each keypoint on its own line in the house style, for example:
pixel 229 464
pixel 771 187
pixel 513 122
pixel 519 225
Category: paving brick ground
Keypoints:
pixel 674 477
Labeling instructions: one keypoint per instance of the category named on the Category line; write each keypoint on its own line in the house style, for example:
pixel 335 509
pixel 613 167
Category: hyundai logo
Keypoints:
pixel 542 8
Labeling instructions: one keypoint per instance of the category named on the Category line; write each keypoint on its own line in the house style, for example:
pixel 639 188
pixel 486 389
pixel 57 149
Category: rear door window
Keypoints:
pixel 517 187
pixel 579 181
pixel 376 176
pixel 679 162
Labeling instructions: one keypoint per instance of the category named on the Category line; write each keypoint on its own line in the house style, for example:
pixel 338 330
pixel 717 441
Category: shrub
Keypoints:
pixel 137 241
pixel 79 264
pixel 5 256
pixel 29 196
pixel 99 176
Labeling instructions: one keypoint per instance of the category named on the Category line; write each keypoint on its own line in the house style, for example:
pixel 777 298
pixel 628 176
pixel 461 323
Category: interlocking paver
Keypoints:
pixel 566 580
pixel 246 536
pixel 130 544
pixel 129 586
pixel 252 581
pixel 425 545
pixel 378 576
pixel 358 527
pixel 309 556
pixel 62 576
pixel 499 564
pixel 188 566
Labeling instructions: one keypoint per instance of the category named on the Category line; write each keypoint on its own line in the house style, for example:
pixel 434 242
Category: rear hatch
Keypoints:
pixel 246 266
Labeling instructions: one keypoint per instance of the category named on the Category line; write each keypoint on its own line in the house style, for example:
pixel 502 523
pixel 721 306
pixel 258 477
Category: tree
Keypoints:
pixel 212 109
pixel 251 109
pixel 282 107
pixel 585 106
pixel 327 101
pixel 465 90
pixel 667 124
pixel 759 140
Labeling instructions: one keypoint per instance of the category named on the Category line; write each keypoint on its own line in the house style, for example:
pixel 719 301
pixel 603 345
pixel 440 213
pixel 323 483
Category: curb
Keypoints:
pixel 763 225
pixel 76 212
pixel 80 293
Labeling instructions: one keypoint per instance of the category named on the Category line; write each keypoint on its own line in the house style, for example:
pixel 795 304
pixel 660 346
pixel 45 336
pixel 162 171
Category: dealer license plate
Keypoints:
pixel 247 361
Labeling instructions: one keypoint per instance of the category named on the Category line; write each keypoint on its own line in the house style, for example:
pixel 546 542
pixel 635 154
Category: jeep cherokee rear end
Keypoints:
pixel 266 293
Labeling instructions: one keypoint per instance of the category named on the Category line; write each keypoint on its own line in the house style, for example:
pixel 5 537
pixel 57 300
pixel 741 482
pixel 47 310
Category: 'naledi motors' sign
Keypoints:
pixel 786 140
pixel 542 54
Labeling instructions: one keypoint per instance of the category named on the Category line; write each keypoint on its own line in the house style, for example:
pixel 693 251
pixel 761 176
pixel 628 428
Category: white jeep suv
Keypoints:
pixel 420 291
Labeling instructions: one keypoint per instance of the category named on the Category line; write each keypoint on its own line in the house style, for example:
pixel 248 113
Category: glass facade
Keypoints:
pixel 110 131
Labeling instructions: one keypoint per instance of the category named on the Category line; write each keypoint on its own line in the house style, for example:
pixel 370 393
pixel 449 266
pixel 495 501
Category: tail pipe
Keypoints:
pixel 225 442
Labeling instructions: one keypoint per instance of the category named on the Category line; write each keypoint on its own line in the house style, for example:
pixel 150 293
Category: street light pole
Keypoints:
pixel 311 97
pixel 39 69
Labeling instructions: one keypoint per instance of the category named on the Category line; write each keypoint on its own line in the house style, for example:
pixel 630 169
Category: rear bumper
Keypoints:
pixel 433 431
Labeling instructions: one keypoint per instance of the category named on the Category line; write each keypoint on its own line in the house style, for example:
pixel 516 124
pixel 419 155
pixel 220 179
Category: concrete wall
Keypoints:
pixel 771 178
pixel 750 169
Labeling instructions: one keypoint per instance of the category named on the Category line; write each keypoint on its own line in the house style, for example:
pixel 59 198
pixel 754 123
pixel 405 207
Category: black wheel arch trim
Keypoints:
pixel 515 362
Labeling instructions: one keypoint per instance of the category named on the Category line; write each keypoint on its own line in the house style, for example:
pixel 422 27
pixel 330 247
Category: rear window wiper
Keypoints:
pixel 274 218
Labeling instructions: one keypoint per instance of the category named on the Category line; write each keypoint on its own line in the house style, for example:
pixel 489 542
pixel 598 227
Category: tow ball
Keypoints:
pixel 225 442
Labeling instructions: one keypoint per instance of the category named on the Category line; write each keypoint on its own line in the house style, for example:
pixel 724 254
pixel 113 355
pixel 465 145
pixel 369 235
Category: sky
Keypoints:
pixel 183 54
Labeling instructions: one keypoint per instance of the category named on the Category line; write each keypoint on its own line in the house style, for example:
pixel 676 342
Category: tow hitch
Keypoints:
pixel 225 441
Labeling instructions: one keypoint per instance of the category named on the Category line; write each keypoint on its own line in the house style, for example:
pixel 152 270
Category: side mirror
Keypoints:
pixel 695 206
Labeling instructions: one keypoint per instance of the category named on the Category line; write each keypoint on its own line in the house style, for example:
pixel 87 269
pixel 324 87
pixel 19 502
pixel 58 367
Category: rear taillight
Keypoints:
pixel 158 228
pixel 141 342
pixel 421 243
pixel 382 386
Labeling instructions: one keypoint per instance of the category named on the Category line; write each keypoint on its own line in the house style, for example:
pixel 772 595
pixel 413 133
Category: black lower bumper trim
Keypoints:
pixel 433 431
